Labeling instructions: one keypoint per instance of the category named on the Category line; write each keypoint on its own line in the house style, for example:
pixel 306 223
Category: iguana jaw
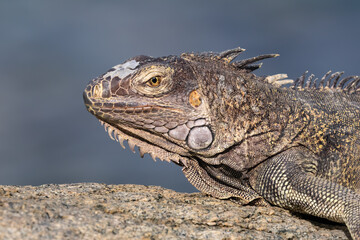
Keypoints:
pixel 121 134
pixel 167 142
pixel 136 130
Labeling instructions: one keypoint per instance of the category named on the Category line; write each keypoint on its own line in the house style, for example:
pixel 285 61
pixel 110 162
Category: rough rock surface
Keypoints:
pixel 99 211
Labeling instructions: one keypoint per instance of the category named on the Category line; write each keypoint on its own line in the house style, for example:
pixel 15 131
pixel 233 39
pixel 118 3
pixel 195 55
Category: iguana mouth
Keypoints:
pixel 120 135
pixel 125 108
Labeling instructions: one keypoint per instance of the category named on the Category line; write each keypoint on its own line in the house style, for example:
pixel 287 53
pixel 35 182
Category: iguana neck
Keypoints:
pixel 248 115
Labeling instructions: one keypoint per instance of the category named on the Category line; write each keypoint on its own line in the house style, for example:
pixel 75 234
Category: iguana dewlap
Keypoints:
pixel 240 136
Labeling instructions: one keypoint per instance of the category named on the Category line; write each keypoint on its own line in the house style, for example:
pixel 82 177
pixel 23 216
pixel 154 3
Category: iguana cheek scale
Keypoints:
pixel 240 136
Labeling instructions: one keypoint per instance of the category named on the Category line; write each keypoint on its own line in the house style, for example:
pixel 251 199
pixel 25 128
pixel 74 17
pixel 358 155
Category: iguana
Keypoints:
pixel 254 140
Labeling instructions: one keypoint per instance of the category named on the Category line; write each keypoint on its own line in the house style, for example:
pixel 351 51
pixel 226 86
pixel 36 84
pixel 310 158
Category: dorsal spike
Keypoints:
pixel 231 54
pixel 344 81
pixel 299 80
pixel 353 85
pixel 309 81
pixel 349 85
pixel 278 80
pixel 356 86
pixel 334 85
pixel 313 83
pixel 242 63
pixel 322 80
pixel 302 81
pixel 252 68
pixel 329 81
pixel 228 56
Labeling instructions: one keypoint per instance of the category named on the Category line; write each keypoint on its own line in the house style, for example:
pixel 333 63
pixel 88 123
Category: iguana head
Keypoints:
pixel 171 107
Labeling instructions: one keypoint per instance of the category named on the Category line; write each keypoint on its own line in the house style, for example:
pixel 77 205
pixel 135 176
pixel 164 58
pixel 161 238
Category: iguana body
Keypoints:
pixel 239 136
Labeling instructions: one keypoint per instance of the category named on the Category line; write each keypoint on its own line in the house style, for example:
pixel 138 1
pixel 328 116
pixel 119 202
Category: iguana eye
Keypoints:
pixel 154 81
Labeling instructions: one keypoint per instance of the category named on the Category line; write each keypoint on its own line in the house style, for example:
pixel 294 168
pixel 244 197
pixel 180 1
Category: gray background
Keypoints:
pixel 49 50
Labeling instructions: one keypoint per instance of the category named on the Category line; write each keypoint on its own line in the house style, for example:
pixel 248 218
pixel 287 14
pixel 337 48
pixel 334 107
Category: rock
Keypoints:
pixel 99 211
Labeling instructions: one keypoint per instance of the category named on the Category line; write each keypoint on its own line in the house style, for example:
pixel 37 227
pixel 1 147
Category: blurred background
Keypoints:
pixel 50 50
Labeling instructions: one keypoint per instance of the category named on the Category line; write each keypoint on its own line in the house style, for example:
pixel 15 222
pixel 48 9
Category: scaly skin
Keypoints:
pixel 239 136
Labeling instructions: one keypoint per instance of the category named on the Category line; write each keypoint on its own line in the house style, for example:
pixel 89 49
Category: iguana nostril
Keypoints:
pixel 96 92
pixel 101 90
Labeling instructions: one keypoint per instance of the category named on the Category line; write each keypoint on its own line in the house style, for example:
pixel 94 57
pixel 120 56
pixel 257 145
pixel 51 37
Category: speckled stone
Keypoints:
pixel 99 211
